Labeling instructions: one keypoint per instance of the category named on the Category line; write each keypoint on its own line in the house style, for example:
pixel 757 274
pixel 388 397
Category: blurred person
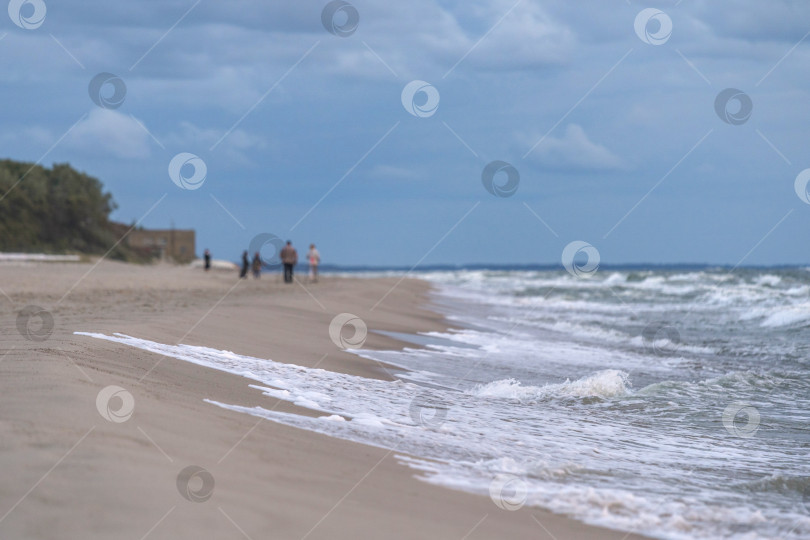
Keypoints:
pixel 289 257
pixel 314 258
pixel 207 259
pixel 256 265
pixel 245 264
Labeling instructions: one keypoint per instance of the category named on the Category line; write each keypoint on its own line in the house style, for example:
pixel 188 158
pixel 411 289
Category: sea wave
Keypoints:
pixel 604 384
pixel 535 383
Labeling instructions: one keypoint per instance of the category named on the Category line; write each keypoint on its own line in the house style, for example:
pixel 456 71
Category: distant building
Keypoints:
pixel 165 244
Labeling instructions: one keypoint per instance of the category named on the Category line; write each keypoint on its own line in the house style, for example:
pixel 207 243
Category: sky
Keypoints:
pixel 425 132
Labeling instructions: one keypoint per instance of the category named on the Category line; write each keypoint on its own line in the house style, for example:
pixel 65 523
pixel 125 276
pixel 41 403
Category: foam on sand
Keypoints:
pixel 590 448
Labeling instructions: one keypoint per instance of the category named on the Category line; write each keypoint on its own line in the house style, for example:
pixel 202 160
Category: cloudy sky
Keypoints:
pixel 301 119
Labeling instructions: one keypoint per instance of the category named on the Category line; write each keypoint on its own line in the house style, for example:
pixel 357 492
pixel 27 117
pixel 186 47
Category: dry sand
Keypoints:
pixel 69 473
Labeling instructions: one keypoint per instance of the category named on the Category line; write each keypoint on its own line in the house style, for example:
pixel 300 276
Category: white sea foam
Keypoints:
pixel 777 316
pixel 768 279
pixel 607 383
pixel 539 387
pixel 799 313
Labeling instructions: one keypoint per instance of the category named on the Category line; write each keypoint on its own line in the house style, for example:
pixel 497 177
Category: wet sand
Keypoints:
pixel 71 473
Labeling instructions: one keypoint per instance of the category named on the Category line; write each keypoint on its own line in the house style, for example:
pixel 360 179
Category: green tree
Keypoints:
pixel 57 210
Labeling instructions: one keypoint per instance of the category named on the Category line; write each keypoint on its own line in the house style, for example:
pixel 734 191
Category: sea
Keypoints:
pixel 669 402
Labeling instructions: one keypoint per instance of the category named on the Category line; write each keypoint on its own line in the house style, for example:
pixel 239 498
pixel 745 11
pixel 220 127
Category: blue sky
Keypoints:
pixel 303 133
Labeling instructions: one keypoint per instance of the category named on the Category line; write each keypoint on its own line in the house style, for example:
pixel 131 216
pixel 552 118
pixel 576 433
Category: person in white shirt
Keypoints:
pixel 314 260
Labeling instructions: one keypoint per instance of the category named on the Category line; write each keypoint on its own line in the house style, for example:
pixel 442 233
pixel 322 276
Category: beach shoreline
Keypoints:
pixel 71 472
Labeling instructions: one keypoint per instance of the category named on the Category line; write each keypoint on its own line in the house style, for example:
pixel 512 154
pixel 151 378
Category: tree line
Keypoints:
pixel 57 210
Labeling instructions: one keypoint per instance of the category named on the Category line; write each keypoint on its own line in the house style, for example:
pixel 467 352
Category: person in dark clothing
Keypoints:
pixel 256 265
pixel 207 258
pixel 245 265
pixel 290 258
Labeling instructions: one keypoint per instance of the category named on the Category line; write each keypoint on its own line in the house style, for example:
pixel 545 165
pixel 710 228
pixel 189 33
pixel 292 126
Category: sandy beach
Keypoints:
pixel 71 473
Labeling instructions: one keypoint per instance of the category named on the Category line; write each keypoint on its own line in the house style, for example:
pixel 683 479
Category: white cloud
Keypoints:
pixel 527 37
pixel 575 151
pixel 235 146
pixel 390 172
pixel 424 37
pixel 38 135
pixel 28 135
pixel 109 131
pixel 775 20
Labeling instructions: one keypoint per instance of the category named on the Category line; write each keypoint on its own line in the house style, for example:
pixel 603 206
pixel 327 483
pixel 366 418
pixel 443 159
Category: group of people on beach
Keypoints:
pixel 288 256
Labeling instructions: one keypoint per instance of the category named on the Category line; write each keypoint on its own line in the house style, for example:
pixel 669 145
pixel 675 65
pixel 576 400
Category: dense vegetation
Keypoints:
pixel 57 210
